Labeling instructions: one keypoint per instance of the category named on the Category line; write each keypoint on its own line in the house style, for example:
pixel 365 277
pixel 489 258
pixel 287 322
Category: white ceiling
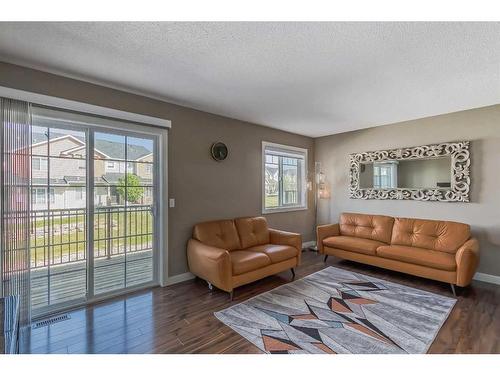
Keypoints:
pixel 308 78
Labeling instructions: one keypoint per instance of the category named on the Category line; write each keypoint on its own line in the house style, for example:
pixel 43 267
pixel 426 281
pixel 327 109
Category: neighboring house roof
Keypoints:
pixel 109 149
pixel 115 150
pixel 113 179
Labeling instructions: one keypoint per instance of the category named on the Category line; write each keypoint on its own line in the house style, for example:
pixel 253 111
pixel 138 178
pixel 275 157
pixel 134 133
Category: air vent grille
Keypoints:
pixel 49 321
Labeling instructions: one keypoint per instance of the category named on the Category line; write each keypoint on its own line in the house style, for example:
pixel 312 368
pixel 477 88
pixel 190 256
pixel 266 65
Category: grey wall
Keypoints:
pixel 481 126
pixel 203 189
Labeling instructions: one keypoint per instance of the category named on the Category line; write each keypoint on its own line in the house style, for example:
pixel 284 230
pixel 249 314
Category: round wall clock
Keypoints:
pixel 219 151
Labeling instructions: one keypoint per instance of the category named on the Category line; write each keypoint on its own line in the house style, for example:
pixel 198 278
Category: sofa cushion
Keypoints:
pixel 277 253
pixel 357 245
pixel 244 261
pixel 220 233
pixel 445 236
pixel 371 227
pixel 252 231
pixel 416 255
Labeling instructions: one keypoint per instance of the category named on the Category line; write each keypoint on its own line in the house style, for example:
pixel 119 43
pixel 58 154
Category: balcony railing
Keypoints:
pixel 60 236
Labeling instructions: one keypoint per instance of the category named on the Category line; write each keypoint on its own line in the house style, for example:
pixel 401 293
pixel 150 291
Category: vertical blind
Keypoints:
pixel 15 144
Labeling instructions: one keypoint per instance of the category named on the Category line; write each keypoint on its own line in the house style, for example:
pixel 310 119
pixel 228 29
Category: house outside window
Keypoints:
pixel 80 193
pixel 39 195
pixel 284 178
pixel 110 165
pixel 39 164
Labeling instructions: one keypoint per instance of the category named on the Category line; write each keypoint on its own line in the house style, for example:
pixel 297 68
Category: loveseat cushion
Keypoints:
pixel 220 233
pixel 416 255
pixel 277 253
pixel 354 244
pixel 445 236
pixel 252 231
pixel 371 227
pixel 244 261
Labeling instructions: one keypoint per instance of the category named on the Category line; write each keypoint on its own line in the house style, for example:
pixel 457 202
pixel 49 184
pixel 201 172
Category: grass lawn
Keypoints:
pixel 271 201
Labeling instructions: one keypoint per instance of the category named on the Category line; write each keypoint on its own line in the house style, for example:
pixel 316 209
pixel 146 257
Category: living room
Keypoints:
pixel 250 187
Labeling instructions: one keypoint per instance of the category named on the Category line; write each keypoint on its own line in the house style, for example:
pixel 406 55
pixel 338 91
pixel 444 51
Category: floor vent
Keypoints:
pixel 49 321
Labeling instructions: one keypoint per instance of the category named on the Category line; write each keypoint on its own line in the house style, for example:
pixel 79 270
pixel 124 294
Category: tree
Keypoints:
pixel 134 191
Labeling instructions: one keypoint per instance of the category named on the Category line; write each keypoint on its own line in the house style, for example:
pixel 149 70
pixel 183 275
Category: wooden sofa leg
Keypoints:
pixel 293 273
pixel 326 257
pixel 453 290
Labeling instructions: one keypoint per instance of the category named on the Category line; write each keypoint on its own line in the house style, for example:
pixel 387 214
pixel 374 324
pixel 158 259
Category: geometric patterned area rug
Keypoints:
pixel 339 311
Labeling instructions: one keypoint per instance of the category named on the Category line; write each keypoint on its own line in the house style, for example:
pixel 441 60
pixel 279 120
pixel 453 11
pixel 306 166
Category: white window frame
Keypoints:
pixel 303 186
pixel 35 197
pixel 111 165
pixel 41 160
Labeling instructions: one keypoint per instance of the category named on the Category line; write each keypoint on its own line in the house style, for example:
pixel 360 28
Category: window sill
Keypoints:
pixel 267 211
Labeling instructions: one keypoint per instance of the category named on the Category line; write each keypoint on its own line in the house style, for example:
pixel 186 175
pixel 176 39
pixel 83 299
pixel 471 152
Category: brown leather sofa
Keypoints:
pixel 230 253
pixel 438 250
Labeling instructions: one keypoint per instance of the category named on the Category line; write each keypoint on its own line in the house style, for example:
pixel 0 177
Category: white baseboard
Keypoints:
pixel 179 278
pixel 484 277
pixel 487 278
pixel 307 244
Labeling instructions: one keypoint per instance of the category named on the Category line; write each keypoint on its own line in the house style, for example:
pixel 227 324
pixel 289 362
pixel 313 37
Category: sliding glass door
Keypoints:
pixel 93 200
pixel 58 241
pixel 123 211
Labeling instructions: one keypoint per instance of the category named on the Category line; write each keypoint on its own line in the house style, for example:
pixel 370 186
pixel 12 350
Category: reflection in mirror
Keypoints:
pixel 407 174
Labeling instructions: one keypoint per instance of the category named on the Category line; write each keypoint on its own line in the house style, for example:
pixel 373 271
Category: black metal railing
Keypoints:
pixel 59 236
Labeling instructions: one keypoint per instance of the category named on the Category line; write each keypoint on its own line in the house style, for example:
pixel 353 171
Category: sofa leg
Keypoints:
pixel 231 295
pixel 326 257
pixel 453 290
pixel 210 286
pixel 293 273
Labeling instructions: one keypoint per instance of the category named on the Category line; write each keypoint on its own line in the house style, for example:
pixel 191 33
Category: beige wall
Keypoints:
pixel 203 189
pixel 481 126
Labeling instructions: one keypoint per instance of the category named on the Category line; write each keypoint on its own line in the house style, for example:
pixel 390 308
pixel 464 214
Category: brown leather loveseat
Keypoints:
pixel 230 253
pixel 438 250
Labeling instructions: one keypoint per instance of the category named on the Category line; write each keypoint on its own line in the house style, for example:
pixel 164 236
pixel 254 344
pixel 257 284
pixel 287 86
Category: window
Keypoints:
pixel 110 165
pixel 385 175
pixel 80 193
pixel 39 195
pixel 284 177
pixel 39 164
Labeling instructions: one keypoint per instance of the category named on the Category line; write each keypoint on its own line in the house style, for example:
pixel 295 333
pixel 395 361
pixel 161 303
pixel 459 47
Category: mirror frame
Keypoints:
pixel 459 169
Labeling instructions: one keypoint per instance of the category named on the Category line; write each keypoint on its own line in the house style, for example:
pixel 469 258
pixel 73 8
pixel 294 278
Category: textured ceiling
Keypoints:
pixel 308 78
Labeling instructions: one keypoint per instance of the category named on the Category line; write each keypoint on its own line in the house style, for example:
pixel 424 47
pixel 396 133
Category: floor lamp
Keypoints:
pixel 321 191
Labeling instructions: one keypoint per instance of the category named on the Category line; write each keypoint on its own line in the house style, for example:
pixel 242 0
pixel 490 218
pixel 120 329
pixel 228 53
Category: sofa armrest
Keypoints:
pixel 280 237
pixel 325 231
pixel 467 258
pixel 210 263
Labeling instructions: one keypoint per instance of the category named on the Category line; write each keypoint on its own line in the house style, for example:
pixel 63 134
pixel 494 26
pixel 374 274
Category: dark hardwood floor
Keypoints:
pixel 179 318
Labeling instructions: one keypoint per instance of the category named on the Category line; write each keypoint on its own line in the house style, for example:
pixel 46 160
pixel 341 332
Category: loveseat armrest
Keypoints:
pixel 280 237
pixel 325 231
pixel 210 263
pixel 467 258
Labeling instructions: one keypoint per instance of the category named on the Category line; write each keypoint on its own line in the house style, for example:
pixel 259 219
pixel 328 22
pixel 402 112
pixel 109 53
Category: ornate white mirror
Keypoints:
pixel 439 172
